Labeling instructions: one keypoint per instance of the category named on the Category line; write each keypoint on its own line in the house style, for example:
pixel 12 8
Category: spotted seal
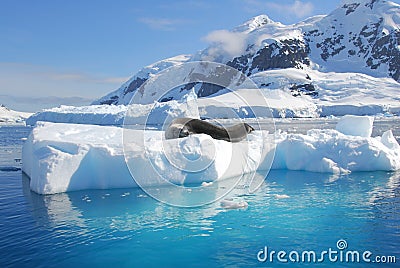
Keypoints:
pixel 183 127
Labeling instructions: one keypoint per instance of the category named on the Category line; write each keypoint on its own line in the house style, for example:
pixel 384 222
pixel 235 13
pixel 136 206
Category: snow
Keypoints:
pixel 251 103
pixel 350 55
pixel 8 116
pixel 338 94
pixel 145 73
pixel 334 152
pixel 355 125
pixel 94 114
pixel 246 103
pixel 231 204
pixel 281 196
pixel 67 157
pixel 346 22
pixel 151 114
pixel 61 157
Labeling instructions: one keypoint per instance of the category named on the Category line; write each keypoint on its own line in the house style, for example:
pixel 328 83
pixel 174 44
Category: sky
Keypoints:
pixel 72 52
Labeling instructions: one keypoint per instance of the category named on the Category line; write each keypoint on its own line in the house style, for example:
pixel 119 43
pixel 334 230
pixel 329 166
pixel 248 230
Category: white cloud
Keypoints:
pixel 299 9
pixel 161 23
pixel 230 42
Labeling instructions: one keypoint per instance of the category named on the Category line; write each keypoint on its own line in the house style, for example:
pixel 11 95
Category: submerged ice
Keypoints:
pixel 60 157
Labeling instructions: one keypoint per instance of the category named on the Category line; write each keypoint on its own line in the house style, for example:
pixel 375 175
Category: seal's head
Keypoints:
pixel 248 128
pixel 184 132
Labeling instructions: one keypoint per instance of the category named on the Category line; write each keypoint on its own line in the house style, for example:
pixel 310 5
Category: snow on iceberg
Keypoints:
pixel 62 157
pixel 355 125
pixel 348 148
pixel 67 157
pixel 334 152
pixel 95 114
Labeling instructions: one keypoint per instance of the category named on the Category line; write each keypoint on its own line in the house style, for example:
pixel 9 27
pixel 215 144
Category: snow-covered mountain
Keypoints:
pixel 8 116
pixel 360 37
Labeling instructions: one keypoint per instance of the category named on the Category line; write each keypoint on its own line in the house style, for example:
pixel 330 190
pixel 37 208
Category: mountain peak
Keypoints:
pixel 360 13
pixel 255 23
pixel 360 36
pixel 380 6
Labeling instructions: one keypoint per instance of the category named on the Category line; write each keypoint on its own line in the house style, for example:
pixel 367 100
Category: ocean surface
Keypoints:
pixel 293 216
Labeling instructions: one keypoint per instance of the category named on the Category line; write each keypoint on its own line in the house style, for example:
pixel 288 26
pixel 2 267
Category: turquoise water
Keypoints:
pixel 292 211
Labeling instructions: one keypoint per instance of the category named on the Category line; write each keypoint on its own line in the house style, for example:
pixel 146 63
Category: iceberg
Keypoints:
pixel 151 114
pixel 244 103
pixel 60 157
pixel 11 117
pixel 355 125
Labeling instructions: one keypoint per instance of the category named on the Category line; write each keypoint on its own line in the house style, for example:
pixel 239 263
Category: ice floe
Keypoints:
pixel 61 157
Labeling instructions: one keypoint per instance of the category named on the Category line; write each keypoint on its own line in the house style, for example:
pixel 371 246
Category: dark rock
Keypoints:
pixel 166 99
pixel 112 100
pixel 350 8
pixel 303 89
pixel 134 85
pixel 289 53
pixel 208 89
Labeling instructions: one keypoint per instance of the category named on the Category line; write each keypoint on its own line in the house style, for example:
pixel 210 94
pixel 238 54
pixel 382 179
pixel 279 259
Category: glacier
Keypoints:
pixel 61 157
pixel 340 94
pixel 11 117
pixel 141 114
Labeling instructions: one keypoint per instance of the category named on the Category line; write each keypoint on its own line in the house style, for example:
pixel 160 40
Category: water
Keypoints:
pixel 292 211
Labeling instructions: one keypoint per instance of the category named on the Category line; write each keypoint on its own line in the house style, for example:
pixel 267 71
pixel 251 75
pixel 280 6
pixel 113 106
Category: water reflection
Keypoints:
pixel 133 210
pixel 127 210
pixel 291 210
pixel 385 190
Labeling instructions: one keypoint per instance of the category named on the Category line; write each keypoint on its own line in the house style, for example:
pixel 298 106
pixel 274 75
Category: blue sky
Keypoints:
pixel 71 52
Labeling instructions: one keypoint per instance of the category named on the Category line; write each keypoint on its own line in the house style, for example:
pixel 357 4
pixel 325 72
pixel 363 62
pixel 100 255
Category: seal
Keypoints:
pixel 183 127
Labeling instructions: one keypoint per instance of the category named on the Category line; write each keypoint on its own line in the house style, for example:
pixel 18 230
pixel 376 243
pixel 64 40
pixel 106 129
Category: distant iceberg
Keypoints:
pixel 141 114
pixel 8 116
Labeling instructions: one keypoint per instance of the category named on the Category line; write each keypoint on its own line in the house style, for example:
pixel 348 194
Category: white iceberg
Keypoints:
pixel 156 113
pixel 10 117
pixel 62 157
pixel 356 125
pixel 244 103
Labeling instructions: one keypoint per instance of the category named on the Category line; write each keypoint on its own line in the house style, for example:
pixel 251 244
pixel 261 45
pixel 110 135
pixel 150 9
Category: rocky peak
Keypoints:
pixel 360 36
pixel 351 5
pixel 255 23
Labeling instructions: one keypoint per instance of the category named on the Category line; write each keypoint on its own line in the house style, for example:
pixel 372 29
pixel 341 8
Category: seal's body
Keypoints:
pixel 183 127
